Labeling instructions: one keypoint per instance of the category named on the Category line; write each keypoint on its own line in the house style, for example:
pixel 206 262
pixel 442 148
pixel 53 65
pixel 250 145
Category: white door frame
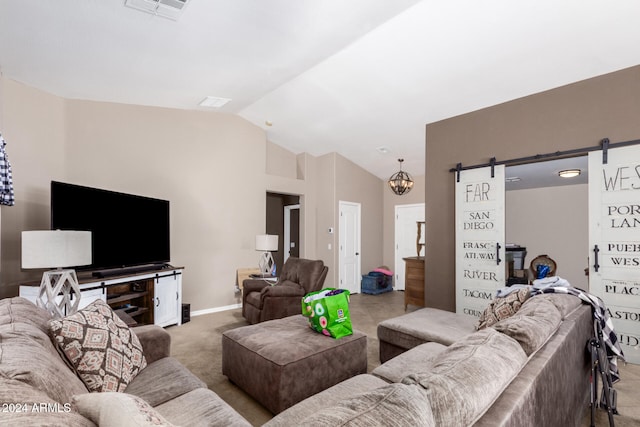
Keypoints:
pixel 287 230
pixel 400 222
pixel 349 264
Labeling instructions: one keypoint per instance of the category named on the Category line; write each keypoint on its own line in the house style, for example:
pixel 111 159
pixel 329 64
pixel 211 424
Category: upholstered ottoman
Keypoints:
pixel 399 334
pixel 281 362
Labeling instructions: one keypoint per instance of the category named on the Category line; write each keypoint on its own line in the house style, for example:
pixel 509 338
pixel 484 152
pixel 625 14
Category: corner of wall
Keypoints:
pixel 302 164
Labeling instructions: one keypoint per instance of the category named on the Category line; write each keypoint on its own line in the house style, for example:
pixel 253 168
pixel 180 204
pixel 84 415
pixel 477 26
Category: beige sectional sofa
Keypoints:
pixel 531 369
pixel 38 389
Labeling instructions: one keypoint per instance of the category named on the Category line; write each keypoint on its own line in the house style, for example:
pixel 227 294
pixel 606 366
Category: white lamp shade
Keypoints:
pixel 55 248
pixel 266 242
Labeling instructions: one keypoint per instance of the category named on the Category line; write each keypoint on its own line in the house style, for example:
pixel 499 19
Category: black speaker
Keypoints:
pixel 186 313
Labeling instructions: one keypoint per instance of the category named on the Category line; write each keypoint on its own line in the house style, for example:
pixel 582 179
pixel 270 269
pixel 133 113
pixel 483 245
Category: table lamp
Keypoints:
pixel 57 249
pixel 266 243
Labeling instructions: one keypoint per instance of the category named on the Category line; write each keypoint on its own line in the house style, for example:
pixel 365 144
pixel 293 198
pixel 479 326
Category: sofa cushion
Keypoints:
pixel 201 407
pixel 23 337
pixel 469 375
pixel 502 308
pixel 533 324
pixel 102 349
pixel 254 299
pixel 394 404
pixel 417 359
pixel 25 359
pixel 566 304
pixel 303 272
pixel 163 380
pixel 26 405
pixel 112 409
pixel 297 415
pixel 21 310
pixel 155 341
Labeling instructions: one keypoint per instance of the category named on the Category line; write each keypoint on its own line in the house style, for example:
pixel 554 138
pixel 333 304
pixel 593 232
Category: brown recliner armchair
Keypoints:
pixel 261 301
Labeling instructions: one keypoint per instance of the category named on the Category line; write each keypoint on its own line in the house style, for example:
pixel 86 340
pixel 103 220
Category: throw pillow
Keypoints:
pixel 118 410
pixel 100 347
pixel 533 324
pixel 502 308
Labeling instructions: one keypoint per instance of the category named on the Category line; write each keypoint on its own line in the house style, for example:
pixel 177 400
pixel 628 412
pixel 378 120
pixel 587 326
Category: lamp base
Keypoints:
pixel 55 292
pixel 266 263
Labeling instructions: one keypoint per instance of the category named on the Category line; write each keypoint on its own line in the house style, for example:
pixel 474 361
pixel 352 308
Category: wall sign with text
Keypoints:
pixel 614 241
pixel 480 235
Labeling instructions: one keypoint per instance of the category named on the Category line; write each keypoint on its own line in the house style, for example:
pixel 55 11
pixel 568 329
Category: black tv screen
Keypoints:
pixel 126 230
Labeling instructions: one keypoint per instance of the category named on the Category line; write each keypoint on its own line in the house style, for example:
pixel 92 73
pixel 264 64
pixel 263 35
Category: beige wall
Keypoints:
pixel 354 184
pixel 552 221
pixel 306 167
pixel 339 179
pixel 326 208
pixel 322 182
pixel 33 126
pixel 210 166
pixel 574 116
pixel 281 162
pixel 390 201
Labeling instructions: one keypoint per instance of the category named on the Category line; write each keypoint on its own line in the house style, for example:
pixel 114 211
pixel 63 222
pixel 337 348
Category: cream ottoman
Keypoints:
pixel 281 362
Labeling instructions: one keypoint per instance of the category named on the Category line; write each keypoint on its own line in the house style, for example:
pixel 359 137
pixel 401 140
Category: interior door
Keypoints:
pixel 406 230
pixel 291 231
pixel 614 241
pixel 480 235
pixel 349 241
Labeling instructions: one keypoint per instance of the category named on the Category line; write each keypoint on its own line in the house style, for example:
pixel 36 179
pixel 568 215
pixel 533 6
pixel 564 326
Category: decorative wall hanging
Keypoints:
pixel 6 180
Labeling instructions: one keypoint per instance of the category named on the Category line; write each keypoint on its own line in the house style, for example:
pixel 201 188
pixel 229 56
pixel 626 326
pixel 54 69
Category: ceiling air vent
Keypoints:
pixel 213 102
pixel 171 9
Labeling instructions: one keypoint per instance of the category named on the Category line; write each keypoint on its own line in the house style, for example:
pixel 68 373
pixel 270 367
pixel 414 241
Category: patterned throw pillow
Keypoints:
pixel 502 308
pixel 101 348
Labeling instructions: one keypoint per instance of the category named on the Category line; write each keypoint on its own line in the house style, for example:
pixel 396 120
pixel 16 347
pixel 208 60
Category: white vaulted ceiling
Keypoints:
pixel 347 76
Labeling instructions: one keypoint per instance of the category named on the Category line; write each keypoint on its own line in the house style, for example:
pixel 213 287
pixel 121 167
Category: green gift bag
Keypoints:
pixel 328 312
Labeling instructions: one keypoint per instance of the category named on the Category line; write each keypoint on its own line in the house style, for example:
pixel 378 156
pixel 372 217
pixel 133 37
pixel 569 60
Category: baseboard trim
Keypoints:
pixel 215 310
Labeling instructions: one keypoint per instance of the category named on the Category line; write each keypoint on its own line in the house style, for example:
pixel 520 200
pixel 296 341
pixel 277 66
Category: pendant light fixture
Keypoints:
pixel 400 182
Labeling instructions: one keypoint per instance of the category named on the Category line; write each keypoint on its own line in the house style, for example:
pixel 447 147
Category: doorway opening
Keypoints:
pixel 291 231
pixel 548 215
pixel 407 217
pixel 283 220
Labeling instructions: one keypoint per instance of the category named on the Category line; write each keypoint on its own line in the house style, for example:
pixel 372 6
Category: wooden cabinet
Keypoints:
pixel 132 301
pixel 144 298
pixel 153 298
pixel 414 281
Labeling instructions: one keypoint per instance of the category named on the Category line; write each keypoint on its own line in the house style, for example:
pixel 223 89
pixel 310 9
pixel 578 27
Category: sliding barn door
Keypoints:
pixel 480 235
pixel 614 240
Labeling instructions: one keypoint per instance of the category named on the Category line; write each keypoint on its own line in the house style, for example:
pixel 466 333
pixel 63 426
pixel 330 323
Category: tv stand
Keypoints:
pixel 149 297
pixel 123 271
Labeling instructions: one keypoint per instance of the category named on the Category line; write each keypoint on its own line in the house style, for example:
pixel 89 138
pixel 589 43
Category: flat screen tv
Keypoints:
pixel 127 230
